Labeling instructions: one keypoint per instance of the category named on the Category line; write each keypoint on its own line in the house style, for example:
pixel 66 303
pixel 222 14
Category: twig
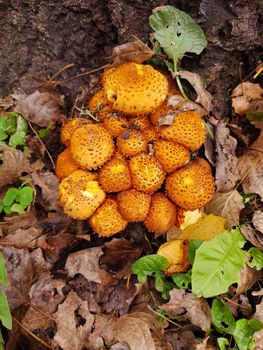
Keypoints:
pixel 166 318
pixel 236 304
pixel 62 70
pixel 83 74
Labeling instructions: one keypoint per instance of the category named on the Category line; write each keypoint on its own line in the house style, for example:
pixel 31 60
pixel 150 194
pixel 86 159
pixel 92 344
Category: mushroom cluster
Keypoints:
pixel 128 167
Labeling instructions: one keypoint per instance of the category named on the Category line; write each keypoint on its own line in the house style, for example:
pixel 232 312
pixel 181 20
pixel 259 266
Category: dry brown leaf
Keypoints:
pixel 48 183
pixel 204 98
pixel 190 307
pixel 135 51
pixel 252 236
pixel 41 108
pixel 259 312
pixel 250 167
pixel 23 238
pixel 20 275
pixel 13 223
pixel 226 160
pixel 120 346
pixel 103 333
pixel 258 338
pixel 56 244
pixel 40 265
pixel 74 323
pixel 228 205
pixel 35 319
pixel 258 220
pixel 46 293
pixel 85 262
pixel 247 278
pixel 247 97
pixel 14 164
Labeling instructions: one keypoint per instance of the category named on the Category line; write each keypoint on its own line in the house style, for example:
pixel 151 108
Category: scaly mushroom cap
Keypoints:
pixel 80 194
pixel 162 214
pixel 190 187
pixel 115 175
pixel 131 142
pixel 68 129
pixel 115 124
pixel 135 89
pixel 139 123
pixel 65 164
pixel 150 134
pixel 167 108
pixel 187 129
pixel 91 146
pixel 147 173
pixel 99 105
pixel 133 205
pixel 171 155
pixel 107 221
pixel 204 164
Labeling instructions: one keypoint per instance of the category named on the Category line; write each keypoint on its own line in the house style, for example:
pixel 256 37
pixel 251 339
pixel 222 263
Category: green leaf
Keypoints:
pixel 25 195
pixel 217 264
pixel 10 196
pixel 223 343
pixel 222 317
pixel 257 258
pixel 5 315
pixel 193 246
pixel 2 343
pixel 162 285
pixel 18 139
pixel 3 273
pixel 177 32
pixel 182 280
pixel 244 331
pixel 17 208
pixel 44 132
pixel 147 265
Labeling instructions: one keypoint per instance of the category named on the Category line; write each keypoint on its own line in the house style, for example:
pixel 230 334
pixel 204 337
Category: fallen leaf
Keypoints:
pixel 204 98
pixel 13 223
pixel 227 205
pixel 23 238
pixel 207 227
pixel 259 312
pixel 14 164
pixel 135 51
pixel 247 278
pixel 35 319
pixel 85 262
pixel 258 338
pixel 247 97
pixel 103 332
pixel 183 338
pixel 74 323
pixel 226 160
pixel 56 244
pixel 239 305
pixel 258 220
pixel 189 306
pixel 40 265
pixel 41 108
pixel 250 167
pixel 118 255
pixel 48 184
pixel 20 275
pixel 120 346
pixel 47 293
pixel 252 236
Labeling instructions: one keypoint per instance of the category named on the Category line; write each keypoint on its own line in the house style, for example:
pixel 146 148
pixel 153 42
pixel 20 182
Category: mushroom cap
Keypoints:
pixel 147 173
pixel 68 129
pixel 133 205
pixel 139 123
pixel 135 89
pixel 115 124
pixel 187 129
pixel 171 155
pixel 131 142
pixel 190 187
pixel 107 221
pixel 115 175
pixel 91 146
pixel 65 164
pixel 204 164
pixel 80 194
pixel 150 134
pixel 162 214
pixel 99 105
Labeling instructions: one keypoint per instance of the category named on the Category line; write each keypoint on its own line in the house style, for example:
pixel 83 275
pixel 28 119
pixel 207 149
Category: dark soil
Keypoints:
pixel 40 37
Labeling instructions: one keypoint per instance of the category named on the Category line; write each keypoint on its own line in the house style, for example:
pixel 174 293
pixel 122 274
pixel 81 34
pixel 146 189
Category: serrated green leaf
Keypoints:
pixel 244 331
pixel 193 246
pixel 10 196
pixel 217 264
pixel 182 280
pixel 17 208
pixel 25 195
pixel 5 315
pixel 257 258
pixel 18 139
pixel 3 273
pixel 147 265
pixel 222 317
pixel 177 32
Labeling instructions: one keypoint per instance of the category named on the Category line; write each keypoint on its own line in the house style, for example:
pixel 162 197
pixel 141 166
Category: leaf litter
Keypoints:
pixel 79 293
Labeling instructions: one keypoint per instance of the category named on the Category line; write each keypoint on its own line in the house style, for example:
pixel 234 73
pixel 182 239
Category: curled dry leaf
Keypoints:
pixel 250 167
pixel 259 312
pixel 252 236
pixel 227 205
pixel 24 221
pixel 103 332
pixel 247 278
pixel 35 319
pixel 226 160
pixel 23 238
pixel 258 338
pixel 85 262
pixel 41 108
pixel 190 307
pixel 258 220
pixel 135 51
pixel 48 183
pixel 74 323
pixel 204 98
pixel 56 244
pixel 14 164
pixel 247 97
